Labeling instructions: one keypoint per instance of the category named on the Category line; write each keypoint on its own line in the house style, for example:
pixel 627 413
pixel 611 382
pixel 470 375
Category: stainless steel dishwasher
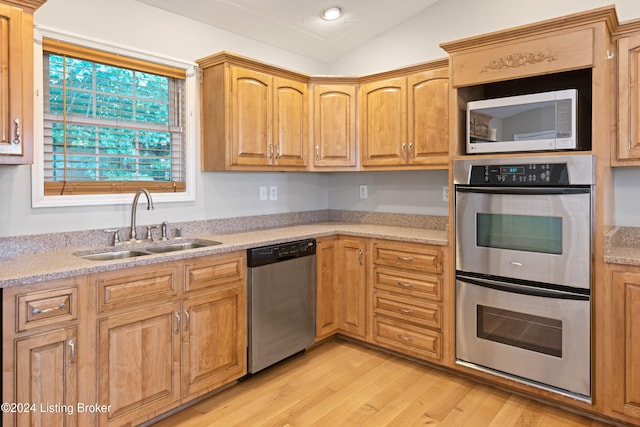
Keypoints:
pixel 281 301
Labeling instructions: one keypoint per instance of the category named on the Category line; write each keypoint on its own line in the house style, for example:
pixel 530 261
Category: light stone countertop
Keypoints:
pixel 622 246
pixel 46 266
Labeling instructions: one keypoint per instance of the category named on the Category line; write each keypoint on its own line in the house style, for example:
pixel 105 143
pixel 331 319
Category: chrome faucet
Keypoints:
pixel 134 233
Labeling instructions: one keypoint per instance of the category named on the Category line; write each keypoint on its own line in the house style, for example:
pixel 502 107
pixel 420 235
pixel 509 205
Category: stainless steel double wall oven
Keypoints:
pixel 523 230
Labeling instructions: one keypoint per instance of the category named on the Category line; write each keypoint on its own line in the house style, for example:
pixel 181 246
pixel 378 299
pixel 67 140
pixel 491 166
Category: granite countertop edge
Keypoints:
pixel 48 266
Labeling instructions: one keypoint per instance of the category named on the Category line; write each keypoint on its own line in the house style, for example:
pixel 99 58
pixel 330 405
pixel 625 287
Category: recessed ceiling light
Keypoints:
pixel 331 13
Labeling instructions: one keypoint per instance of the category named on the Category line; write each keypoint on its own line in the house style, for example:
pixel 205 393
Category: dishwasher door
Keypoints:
pixel 282 310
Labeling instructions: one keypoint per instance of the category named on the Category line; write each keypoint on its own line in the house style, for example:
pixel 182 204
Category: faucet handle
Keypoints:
pixel 116 235
pixel 150 229
pixel 164 235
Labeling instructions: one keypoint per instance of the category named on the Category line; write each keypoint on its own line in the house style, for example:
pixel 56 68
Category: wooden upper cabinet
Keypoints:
pixel 334 122
pixel 384 122
pixel 253 116
pixel 405 120
pixel 428 117
pixel 16 81
pixel 628 147
pixel 290 123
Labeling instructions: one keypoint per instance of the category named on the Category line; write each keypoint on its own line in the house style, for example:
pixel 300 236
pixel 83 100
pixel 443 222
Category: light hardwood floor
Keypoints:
pixel 340 383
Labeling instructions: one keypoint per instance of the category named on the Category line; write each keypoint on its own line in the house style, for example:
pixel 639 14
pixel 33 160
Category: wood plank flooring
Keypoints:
pixel 341 383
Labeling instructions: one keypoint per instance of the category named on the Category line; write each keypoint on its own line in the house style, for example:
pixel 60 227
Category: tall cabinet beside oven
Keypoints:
pixel 578 43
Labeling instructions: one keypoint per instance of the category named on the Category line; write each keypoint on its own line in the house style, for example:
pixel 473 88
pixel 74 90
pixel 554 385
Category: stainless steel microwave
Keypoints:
pixel 536 122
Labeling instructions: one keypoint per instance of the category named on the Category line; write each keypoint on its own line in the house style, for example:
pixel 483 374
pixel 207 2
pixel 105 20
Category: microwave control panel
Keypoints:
pixel 532 174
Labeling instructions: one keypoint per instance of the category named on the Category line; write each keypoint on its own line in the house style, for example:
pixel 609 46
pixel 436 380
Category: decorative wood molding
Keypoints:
pixel 31 5
pixel 516 60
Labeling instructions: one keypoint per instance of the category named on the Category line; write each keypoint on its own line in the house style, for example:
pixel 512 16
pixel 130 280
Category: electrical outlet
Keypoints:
pixel 263 192
pixel 445 194
pixel 363 191
pixel 273 192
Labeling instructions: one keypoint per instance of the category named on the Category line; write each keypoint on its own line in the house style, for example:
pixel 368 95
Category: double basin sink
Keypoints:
pixel 150 249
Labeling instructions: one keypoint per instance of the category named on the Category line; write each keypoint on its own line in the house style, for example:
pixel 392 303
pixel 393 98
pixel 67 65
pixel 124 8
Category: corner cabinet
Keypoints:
pixel 404 120
pixel 254 117
pixel 16 81
pixel 334 126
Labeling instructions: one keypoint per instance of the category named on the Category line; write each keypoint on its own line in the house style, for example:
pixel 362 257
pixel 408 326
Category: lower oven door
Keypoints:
pixel 532 335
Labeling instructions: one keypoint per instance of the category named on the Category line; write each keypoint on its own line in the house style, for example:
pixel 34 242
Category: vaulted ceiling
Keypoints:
pixel 296 25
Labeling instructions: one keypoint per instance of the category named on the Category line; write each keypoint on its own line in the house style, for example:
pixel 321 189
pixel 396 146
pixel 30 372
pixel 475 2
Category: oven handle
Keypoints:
pixel 524 290
pixel 524 190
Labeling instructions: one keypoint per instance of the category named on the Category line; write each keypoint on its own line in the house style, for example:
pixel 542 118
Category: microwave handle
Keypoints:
pixel 524 190
pixel 521 289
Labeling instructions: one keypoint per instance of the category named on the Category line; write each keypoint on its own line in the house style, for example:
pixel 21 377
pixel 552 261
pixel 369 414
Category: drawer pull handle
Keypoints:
pixel 405 258
pixel 405 338
pixel 48 310
pixel 405 310
pixel 405 285
pixel 72 345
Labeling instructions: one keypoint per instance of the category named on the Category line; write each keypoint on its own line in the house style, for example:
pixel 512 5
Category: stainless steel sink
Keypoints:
pixel 150 249
pixel 112 255
pixel 182 246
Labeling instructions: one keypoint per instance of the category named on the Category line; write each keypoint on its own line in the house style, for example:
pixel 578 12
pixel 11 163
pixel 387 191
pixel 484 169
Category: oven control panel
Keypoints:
pixel 532 174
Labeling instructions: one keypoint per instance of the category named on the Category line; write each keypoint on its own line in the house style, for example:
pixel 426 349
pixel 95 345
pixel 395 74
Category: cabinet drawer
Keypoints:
pixel 407 339
pixel 214 271
pixel 137 286
pixel 423 258
pixel 406 310
pixel 45 308
pixel 408 284
pixel 563 51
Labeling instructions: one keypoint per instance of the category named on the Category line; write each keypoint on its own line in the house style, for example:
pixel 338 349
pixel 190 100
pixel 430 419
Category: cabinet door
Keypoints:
pixel 139 363
pixel 629 97
pixel 353 286
pixel 384 123
pixel 327 294
pixel 251 117
pixel 290 123
pixel 214 340
pixel 334 125
pixel 626 344
pixel 428 117
pixel 11 81
pixel 46 376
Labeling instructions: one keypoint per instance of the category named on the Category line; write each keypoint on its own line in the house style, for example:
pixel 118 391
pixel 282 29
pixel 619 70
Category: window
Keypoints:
pixel 111 124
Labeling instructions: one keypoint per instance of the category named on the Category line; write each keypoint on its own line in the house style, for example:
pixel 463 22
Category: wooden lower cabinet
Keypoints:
pixel 624 328
pixel 407 288
pixel 40 354
pixel 327 304
pixel 167 351
pixel 138 359
pixel 352 286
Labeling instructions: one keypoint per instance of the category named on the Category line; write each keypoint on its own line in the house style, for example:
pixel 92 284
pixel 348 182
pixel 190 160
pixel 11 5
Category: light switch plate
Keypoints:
pixel 263 192
pixel 273 192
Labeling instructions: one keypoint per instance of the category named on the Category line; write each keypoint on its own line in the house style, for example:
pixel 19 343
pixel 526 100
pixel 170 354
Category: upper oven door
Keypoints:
pixel 536 234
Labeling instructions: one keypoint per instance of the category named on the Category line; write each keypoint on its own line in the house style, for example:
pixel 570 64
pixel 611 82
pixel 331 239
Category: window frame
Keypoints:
pixel 39 198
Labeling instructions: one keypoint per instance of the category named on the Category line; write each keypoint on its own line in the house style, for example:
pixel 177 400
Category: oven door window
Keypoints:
pixel 526 331
pixel 529 233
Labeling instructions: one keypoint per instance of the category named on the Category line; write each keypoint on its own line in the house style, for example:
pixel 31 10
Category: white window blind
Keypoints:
pixel 111 123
